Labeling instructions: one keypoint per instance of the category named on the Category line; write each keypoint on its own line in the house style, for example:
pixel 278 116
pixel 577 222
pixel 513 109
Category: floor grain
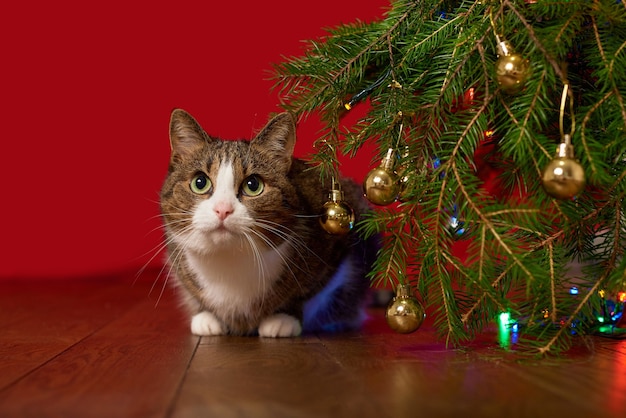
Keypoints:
pixel 108 349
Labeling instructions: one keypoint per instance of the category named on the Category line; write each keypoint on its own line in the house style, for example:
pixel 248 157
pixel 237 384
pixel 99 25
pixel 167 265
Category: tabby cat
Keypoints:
pixel 243 239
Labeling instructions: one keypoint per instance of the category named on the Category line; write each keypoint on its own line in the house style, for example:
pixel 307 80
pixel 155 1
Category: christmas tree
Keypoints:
pixel 534 89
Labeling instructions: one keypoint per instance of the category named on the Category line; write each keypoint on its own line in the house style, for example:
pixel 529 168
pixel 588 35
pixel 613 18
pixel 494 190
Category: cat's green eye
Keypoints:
pixel 252 186
pixel 200 183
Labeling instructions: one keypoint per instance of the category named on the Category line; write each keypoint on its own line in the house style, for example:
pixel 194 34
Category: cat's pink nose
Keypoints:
pixel 223 210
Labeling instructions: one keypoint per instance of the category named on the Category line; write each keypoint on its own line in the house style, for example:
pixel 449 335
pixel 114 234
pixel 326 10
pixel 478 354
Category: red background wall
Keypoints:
pixel 86 89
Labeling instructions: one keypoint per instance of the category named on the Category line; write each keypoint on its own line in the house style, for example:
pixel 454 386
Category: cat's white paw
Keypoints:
pixel 205 323
pixel 280 325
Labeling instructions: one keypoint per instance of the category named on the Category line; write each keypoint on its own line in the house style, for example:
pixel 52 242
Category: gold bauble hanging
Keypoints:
pixel 512 69
pixel 563 177
pixel 337 217
pixel 403 176
pixel 404 314
pixel 381 185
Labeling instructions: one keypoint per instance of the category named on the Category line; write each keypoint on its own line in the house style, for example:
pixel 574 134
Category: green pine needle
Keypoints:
pixel 430 55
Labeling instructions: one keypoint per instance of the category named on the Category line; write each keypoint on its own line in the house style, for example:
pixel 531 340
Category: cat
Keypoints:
pixel 243 238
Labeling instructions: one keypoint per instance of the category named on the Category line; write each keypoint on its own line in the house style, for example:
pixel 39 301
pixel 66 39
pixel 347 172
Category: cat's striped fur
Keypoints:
pixel 243 238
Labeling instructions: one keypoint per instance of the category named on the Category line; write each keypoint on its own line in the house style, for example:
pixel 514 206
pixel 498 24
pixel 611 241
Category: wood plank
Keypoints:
pixel 120 355
pixel 234 377
pixel 593 383
pixel 35 299
pixel 416 372
pixel 131 367
pixel 41 320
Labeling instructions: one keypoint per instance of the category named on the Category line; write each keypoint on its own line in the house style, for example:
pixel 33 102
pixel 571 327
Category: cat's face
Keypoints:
pixel 228 195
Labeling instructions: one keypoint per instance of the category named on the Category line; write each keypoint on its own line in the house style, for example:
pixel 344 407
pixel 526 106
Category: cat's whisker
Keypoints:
pixel 292 243
pixel 159 275
pixel 155 251
pixel 165 281
pixel 172 259
pixel 288 235
pixel 166 277
pixel 285 261
pixel 258 259
pixel 169 219
pixel 278 229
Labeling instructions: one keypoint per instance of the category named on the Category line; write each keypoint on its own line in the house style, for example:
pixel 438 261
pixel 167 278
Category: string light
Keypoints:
pixel 366 92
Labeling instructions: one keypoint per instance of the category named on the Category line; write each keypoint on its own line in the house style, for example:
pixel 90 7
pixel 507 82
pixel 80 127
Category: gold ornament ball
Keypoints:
pixel 563 178
pixel 512 71
pixel 381 186
pixel 337 217
pixel 403 189
pixel 404 314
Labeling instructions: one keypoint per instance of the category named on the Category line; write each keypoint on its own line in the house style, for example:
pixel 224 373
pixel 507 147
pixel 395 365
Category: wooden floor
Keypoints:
pixel 104 348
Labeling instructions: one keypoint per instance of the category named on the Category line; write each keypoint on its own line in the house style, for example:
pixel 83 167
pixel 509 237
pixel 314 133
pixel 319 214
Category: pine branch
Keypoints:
pixel 348 66
pixel 470 200
pixel 518 252
pixel 553 309
pixel 479 301
pixel 583 136
pixel 565 326
pixel 531 33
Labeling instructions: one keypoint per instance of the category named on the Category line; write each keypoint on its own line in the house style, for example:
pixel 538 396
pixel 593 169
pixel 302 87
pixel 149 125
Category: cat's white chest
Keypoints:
pixel 233 283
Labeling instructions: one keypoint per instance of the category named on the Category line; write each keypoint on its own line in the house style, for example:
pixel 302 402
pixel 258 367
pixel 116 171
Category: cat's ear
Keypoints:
pixel 186 134
pixel 277 139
